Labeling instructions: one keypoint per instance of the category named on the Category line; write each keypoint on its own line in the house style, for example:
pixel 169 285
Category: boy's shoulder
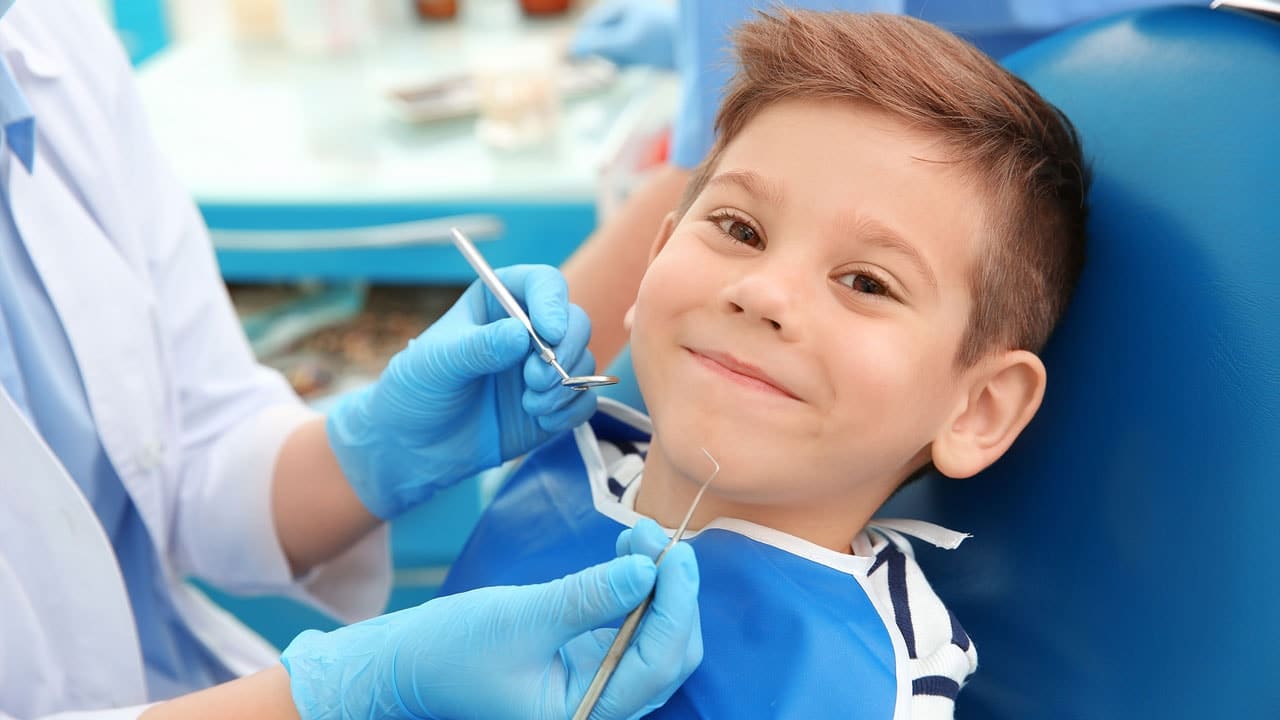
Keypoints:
pixel 940 654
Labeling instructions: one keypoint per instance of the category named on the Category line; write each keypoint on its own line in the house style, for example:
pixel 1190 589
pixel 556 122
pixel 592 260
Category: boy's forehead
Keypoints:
pixel 838 143
pixel 864 169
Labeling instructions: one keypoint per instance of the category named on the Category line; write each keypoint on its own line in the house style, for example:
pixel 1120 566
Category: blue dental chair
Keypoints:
pixel 1124 561
pixel 1124 554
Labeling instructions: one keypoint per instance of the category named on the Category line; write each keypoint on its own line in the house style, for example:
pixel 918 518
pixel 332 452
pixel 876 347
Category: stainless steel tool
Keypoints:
pixel 500 291
pixel 628 630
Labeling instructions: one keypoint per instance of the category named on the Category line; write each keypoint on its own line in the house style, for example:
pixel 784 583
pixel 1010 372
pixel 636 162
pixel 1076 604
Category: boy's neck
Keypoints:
pixel 666 492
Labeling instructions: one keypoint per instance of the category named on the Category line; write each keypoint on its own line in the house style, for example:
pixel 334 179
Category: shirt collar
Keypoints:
pixel 17 119
pixel 22 49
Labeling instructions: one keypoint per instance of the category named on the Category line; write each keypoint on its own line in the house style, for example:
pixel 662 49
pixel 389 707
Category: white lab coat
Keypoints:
pixel 191 423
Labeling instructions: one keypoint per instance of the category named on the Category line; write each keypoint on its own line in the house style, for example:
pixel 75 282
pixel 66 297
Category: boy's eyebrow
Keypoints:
pixel 871 231
pixel 875 233
pixel 753 183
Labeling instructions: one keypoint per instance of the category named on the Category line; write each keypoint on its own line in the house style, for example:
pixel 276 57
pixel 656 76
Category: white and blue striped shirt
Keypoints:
pixel 940 655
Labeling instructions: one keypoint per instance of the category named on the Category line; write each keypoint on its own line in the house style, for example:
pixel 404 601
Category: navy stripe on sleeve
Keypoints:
pixel 939 685
pixel 958 635
pixel 628 448
pixel 897 566
pixel 616 488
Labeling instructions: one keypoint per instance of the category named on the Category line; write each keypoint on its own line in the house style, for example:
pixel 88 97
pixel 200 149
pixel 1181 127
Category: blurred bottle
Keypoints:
pixel 255 21
pixel 328 27
pixel 199 21
pixel 437 9
pixel 544 7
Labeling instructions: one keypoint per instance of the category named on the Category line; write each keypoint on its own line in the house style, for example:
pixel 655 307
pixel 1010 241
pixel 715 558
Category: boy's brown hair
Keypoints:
pixel 1020 149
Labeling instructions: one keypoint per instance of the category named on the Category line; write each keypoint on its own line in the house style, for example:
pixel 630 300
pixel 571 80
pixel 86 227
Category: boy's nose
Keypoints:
pixel 766 297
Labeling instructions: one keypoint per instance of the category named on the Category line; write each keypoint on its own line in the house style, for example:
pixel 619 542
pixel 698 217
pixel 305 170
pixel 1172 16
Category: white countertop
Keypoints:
pixel 259 126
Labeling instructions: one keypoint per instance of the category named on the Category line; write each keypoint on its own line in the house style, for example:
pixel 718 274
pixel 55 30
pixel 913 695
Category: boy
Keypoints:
pixel 851 291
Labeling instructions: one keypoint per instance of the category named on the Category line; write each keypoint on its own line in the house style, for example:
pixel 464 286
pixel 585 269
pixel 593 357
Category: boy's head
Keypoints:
pixel 883 235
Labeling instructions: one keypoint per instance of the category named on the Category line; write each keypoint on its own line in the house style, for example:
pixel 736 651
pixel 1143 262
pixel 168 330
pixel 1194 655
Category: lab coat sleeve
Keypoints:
pixel 234 414
pixel 129 713
pixel 705 61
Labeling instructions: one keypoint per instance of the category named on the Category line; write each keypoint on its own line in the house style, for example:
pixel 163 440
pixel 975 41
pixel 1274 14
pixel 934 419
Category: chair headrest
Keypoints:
pixel 1122 563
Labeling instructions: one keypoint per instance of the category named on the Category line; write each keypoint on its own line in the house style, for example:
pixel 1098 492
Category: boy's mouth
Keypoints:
pixel 741 372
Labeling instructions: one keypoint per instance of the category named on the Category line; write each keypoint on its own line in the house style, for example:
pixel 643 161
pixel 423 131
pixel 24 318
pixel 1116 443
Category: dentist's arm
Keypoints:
pixel 466 395
pixel 262 695
pixel 316 511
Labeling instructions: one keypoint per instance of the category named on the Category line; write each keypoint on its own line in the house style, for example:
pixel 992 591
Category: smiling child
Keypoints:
pixel 852 292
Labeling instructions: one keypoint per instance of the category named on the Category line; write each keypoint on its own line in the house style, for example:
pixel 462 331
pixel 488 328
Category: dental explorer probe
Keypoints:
pixel 508 302
pixel 620 642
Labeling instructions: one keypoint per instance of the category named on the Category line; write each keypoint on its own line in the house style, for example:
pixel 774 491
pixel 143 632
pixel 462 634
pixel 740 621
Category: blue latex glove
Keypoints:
pixel 628 32
pixel 512 652
pixel 466 395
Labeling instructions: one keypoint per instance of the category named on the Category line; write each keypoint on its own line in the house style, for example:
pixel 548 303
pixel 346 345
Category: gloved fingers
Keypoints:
pixel 545 404
pixel 572 347
pixel 544 394
pixel 582 657
pixel 561 407
pixel 622 546
pixel 571 351
pixel 629 32
pixel 666 648
pixel 606 13
pixel 668 628
pixel 586 600
pixel 578 411
pixel 593 32
pixel 540 404
pixel 646 538
pixel 471 353
pixel 544 294
pixel 685 566
pixel 539 376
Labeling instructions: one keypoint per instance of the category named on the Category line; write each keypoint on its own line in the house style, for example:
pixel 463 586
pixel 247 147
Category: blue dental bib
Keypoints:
pixel 784 636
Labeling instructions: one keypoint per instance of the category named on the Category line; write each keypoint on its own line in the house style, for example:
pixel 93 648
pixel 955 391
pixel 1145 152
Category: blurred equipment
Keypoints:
pixel 459 95
pixel 304 171
pixel 329 27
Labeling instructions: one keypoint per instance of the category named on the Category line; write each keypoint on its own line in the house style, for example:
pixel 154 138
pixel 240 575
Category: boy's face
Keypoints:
pixel 802 319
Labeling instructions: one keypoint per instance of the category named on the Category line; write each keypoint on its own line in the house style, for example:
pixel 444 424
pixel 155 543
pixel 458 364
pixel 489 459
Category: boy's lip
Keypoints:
pixel 738 367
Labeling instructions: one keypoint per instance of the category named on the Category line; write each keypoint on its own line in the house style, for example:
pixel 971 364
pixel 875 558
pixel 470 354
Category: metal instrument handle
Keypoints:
pixel 500 291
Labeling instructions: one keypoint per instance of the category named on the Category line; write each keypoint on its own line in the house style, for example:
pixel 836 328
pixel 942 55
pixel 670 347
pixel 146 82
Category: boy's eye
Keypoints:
pixel 739 231
pixel 865 283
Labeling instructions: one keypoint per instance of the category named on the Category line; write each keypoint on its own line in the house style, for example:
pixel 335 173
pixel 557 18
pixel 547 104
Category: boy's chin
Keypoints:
pixel 746 474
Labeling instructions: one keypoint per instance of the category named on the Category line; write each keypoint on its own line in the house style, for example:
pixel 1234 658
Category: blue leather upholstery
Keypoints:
pixel 1123 563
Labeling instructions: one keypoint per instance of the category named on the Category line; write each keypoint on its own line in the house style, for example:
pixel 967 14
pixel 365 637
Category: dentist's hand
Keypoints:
pixel 512 652
pixel 466 395
pixel 628 32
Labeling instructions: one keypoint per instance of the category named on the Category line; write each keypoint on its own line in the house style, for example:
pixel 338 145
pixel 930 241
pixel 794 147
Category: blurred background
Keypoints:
pixel 330 144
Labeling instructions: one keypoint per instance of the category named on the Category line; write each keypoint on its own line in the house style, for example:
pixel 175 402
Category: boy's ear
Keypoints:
pixel 1004 393
pixel 667 227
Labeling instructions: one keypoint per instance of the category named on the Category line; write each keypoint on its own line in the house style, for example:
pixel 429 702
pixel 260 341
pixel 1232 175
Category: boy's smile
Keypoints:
pixel 746 374
pixel 801 321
